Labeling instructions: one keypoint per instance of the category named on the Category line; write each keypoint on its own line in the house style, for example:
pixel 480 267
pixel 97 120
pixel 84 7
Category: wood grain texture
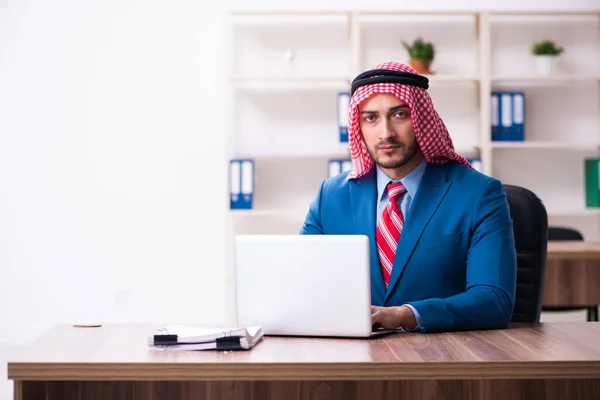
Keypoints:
pixel 573 282
pixel 572 275
pixel 30 390
pixel 324 390
pixel 120 352
pixel 573 250
pixel 18 390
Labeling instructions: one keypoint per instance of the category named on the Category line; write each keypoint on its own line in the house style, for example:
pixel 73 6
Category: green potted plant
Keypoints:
pixel 421 55
pixel 545 53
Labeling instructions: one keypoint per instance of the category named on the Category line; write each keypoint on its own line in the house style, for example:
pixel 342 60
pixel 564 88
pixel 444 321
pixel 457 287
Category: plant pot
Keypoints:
pixel 421 66
pixel 545 64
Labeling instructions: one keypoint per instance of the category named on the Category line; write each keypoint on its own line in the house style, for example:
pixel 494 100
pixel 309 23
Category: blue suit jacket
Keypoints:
pixel 456 259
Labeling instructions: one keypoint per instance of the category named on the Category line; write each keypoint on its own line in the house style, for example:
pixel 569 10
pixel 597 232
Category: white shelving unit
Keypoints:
pixel 285 70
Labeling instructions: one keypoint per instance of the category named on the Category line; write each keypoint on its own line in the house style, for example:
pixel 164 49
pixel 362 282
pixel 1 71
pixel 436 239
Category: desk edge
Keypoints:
pixel 20 371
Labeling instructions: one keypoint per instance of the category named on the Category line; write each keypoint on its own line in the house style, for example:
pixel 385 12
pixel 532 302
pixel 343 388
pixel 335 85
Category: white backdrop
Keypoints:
pixel 113 186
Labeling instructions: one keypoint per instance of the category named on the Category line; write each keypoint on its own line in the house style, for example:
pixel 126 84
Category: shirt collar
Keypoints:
pixel 410 181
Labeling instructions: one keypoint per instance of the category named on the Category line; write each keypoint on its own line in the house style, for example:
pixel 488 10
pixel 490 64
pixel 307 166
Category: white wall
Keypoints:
pixel 112 164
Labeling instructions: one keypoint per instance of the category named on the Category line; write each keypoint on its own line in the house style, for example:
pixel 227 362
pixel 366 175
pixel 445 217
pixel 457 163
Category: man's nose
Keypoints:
pixel 387 130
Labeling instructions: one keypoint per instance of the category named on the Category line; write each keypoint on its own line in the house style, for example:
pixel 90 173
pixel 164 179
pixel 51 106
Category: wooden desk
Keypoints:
pixel 572 274
pixel 527 361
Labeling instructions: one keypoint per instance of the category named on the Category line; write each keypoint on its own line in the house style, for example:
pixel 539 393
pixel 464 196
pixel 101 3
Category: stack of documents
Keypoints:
pixel 182 337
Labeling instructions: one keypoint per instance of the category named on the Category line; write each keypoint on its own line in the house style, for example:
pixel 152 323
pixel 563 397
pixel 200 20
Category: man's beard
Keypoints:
pixel 409 155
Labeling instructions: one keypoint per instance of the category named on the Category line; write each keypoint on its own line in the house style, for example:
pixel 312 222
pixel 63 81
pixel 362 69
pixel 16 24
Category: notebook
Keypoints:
pixel 184 337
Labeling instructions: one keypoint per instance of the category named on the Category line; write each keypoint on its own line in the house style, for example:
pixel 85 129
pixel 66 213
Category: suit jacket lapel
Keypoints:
pixel 432 189
pixel 363 198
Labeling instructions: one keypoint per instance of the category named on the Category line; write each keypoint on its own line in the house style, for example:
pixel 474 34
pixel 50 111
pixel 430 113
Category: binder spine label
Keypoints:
pixel 343 106
pixel 333 168
pixel 505 115
pixel 346 165
pixel 518 126
pixel 235 183
pixel 336 167
pixel 518 108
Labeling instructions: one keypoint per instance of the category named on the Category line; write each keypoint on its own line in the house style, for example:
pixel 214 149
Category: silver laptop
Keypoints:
pixel 304 285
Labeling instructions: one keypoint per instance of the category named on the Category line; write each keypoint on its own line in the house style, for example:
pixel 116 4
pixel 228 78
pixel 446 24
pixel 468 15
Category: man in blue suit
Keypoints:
pixel 441 236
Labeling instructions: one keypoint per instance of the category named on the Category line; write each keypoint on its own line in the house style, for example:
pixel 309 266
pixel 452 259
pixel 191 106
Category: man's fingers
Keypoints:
pixel 374 315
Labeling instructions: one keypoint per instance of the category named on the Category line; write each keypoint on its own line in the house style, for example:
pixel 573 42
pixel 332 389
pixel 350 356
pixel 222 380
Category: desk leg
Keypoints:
pixel 18 390
pixel 302 390
pixel 29 390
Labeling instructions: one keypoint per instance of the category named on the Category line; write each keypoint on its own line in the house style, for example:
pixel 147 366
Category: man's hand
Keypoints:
pixel 393 317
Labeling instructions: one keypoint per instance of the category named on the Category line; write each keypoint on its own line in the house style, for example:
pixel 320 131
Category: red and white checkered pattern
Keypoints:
pixel 430 131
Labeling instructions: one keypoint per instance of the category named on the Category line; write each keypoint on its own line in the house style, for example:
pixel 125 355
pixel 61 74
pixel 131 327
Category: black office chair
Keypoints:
pixel 530 225
pixel 565 233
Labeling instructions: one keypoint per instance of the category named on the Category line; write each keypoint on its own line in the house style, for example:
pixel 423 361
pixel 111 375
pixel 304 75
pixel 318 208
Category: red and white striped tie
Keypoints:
pixel 389 230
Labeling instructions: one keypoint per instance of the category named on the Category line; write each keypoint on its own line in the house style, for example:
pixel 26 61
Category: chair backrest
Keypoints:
pixel 563 233
pixel 530 225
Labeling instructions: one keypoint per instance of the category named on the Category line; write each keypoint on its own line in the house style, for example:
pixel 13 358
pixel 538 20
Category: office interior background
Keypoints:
pixel 118 122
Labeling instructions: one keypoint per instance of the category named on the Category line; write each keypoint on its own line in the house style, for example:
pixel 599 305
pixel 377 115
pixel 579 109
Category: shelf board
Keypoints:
pixel 369 19
pixel 544 17
pixel 416 11
pixel 340 150
pixel 544 79
pixel 334 83
pixel 452 78
pixel 581 212
pixel 298 213
pixel 547 12
pixel 289 19
pixel 545 145
pixel 294 213
pixel 292 83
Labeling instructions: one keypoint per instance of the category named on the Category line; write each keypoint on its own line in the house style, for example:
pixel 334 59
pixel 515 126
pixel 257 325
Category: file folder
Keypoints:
pixel 334 168
pixel 592 182
pixel 346 165
pixel 242 183
pixel 475 163
pixel 506 116
pixel 337 166
pixel 235 179
pixel 343 106
pixel 518 122
pixel 247 183
pixel 496 117
pixel 183 337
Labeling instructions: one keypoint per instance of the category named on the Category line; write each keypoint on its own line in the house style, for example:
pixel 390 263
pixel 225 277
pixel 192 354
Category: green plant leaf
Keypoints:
pixel 546 47
pixel 420 49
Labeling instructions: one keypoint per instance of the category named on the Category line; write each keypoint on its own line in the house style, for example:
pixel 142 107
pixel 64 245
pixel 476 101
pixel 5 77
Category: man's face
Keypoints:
pixel 386 126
